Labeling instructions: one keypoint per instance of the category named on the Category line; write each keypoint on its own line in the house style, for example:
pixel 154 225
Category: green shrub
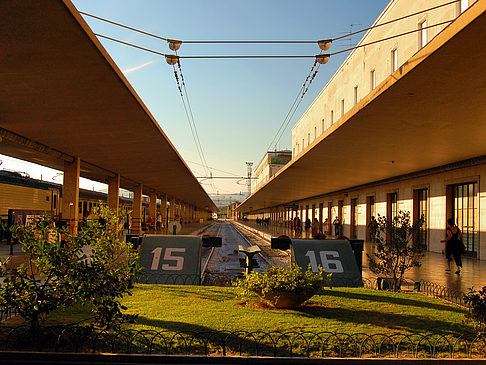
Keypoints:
pixel 280 280
pixel 58 273
pixel 477 307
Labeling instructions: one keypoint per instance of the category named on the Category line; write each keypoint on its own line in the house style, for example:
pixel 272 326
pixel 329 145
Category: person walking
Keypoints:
pixel 298 226
pixel 325 226
pixel 454 245
pixel 307 227
pixel 337 224
pixel 315 227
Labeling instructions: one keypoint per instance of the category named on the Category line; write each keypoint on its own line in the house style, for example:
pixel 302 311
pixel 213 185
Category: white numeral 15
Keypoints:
pixel 179 260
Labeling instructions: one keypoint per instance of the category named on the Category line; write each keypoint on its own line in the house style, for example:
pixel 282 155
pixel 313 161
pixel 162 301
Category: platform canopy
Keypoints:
pixel 62 96
pixel 430 112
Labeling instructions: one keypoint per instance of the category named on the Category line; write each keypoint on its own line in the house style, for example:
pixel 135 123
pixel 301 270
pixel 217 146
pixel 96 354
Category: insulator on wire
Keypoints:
pixel 171 59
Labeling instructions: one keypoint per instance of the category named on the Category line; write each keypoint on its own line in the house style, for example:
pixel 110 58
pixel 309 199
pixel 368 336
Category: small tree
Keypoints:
pixel 476 300
pixel 44 283
pixel 396 253
pixel 109 272
pixel 94 267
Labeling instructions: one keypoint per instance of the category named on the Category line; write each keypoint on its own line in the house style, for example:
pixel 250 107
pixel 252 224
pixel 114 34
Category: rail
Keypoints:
pixel 205 265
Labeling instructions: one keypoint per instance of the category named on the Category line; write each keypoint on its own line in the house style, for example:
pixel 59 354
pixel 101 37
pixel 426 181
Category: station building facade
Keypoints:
pixel 446 192
pixel 456 189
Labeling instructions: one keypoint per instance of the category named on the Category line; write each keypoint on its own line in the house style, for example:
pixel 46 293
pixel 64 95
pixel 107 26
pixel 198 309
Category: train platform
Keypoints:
pixel 18 256
pixel 433 269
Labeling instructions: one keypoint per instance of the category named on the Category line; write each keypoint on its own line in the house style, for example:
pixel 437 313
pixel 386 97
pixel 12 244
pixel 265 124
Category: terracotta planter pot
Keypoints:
pixel 286 299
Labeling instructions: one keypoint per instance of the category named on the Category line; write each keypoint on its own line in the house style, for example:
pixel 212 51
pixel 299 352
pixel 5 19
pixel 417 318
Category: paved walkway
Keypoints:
pixel 433 267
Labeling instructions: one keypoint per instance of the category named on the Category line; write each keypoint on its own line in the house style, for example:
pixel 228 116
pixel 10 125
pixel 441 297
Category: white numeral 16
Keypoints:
pixel 328 265
pixel 179 260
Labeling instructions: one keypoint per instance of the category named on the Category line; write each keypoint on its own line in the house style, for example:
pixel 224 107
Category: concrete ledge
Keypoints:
pixel 78 358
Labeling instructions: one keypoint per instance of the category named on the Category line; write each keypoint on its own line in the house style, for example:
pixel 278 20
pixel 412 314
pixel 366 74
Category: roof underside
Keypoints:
pixel 429 113
pixel 62 96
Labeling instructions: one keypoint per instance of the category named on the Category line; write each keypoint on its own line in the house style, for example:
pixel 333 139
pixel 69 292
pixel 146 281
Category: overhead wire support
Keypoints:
pixel 320 42
pixel 321 58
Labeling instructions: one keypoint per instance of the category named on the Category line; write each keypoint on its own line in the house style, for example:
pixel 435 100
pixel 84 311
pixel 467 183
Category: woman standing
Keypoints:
pixel 307 227
pixel 454 245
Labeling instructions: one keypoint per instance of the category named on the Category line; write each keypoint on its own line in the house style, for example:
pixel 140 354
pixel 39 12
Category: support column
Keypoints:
pixel 113 199
pixel 70 194
pixel 153 206
pixel 189 213
pixel 321 207
pixel 163 208
pixel 137 210
pixel 172 209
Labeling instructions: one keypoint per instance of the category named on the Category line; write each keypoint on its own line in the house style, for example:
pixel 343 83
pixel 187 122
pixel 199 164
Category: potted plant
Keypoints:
pixel 281 287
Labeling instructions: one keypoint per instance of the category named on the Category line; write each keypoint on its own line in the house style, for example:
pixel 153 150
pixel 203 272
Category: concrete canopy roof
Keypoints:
pixel 429 113
pixel 62 96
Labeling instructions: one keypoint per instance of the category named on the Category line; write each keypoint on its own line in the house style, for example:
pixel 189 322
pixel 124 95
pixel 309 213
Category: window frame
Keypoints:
pixel 394 59
pixel 372 79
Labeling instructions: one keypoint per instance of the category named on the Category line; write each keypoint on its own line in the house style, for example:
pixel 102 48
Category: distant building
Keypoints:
pixel 270 164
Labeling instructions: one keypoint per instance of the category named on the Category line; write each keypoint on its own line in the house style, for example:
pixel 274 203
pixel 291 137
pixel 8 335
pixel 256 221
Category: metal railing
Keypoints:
pixel 243 343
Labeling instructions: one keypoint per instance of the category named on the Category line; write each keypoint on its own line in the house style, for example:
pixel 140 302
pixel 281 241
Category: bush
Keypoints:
pixel 278 280
pixel 94 267
pixel 476 300
pixel 395 251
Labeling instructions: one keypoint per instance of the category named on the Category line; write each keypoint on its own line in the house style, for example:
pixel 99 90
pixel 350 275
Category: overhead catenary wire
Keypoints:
pixel 264 41
pixel 198 148
pixel 396 20
pixel 271 56
pixel 309 78
pixel 191 119
pixel 295 105
pixel 213 168
pixel 391 37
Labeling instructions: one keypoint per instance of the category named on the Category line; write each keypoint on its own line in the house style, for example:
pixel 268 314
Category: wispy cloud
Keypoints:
pixel 131 69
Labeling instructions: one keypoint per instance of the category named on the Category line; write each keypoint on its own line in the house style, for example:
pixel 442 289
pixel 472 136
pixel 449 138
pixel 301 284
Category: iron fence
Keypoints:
pixel 442 292
pixel 242 343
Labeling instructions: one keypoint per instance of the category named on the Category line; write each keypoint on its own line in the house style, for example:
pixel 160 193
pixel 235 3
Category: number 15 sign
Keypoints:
pixel 170 259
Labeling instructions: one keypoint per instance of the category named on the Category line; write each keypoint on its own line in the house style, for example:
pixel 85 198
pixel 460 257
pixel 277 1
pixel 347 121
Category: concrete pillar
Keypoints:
pixel 321 207
pixel 171 209
pixel 70 194
pixel 163 208
pixel 113 199
pixel 137 210
pixel 153 205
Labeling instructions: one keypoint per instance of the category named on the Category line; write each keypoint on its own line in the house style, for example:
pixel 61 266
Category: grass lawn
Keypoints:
pixel 343 310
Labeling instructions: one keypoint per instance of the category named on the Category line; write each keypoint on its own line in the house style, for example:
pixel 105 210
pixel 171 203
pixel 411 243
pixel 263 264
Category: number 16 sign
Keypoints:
pixel 335 256
pixel 171 259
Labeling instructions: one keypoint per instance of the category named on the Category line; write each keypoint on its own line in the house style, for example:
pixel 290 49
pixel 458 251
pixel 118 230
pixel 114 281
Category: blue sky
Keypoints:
pixel 238 105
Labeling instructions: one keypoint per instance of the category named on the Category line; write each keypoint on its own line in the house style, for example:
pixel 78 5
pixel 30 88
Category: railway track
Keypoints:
pixel 221 265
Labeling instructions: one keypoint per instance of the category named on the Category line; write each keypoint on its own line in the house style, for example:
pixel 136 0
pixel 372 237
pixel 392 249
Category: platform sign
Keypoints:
pixel 170 259
pixel 335 256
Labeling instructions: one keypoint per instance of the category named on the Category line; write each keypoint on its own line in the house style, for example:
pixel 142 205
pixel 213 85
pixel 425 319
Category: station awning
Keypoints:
pixel 429 113
pixel 62 96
